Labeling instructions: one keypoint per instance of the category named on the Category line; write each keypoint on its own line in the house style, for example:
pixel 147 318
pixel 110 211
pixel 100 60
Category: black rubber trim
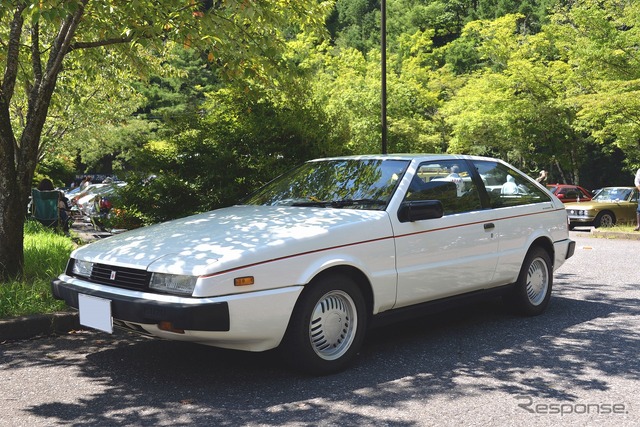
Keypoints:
pixel 571 249
pixel 195 317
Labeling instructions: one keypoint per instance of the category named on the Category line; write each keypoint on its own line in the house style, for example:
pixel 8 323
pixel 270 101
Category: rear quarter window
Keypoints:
pixel 507 187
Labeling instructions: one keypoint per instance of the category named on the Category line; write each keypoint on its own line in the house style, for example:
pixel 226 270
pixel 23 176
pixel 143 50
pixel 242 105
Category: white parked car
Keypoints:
pixel 315 257
pixel 85 202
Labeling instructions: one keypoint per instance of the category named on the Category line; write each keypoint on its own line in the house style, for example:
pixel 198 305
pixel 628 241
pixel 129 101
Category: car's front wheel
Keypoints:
pixel 532 292
pixel 605 219
pixel 327 326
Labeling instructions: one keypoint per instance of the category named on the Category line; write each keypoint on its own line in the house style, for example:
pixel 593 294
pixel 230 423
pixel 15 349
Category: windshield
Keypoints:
pixel 613 194
pixel 337 183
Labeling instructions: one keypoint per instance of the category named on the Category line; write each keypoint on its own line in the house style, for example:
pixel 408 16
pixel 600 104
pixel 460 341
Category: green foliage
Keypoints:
pixel 357 24
pixel 462 55
pixel 535 12
pixel 604 39
pixel 495 77
pixel 225 146
pixel 46 252
pixel 59 169
pixel 539 99
pixel 22 299
pixel 123 218
pixel 173 97
pixel 110 148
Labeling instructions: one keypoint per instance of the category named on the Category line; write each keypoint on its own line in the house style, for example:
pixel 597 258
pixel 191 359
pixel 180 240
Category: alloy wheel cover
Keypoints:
pixel 537 281
pixel 333 325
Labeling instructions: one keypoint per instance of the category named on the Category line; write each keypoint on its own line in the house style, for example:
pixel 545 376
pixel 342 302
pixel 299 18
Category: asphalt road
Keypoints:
pixel 577 364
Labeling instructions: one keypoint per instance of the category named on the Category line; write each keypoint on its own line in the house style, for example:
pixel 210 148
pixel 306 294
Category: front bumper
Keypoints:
pixel 252 321
pixel 581 219
pixel 203 317
pixel 581 216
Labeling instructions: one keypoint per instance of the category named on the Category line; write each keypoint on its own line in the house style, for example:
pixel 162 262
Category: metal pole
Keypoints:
pixel 383 97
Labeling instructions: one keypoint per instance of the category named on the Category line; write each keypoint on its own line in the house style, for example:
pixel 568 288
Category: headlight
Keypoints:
pixel 578 212
pixel 173 283
pixel 82 268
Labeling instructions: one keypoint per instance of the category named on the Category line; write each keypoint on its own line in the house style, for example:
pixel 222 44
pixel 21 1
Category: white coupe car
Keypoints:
pixel 320 254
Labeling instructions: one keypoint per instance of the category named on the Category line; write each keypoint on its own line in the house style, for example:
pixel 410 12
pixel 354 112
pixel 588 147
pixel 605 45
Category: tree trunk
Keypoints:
pixel 11 236
pixel 17 167
pixel 18 160
pixel 11 213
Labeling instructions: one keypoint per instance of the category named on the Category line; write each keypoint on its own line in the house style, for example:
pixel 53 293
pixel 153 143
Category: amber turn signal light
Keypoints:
pixel 168 326
pixel 243 281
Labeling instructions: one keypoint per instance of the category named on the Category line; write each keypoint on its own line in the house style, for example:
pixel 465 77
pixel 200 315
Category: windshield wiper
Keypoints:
pixel 356 202
pixel 339 203
pixel 312 203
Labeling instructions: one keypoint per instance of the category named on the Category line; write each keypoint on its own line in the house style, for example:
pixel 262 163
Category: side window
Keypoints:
pixel 506 187
pixel 448 181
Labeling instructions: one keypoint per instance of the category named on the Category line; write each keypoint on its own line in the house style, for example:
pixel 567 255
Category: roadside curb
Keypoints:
pixel 26 327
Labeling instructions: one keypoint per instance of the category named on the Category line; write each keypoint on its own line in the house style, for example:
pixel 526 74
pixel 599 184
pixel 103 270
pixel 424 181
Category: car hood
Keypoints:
pixel 590 205
pixel 236 236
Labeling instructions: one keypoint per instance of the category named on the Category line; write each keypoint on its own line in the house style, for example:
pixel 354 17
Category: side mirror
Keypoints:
pixel 419 210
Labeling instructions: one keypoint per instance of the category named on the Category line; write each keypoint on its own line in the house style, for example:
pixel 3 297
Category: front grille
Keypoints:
pixel 121 277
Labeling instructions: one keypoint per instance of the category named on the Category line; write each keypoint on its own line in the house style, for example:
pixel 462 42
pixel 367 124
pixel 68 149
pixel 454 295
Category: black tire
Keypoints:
pixel 604 219
pixel 327 326
pixel 532 292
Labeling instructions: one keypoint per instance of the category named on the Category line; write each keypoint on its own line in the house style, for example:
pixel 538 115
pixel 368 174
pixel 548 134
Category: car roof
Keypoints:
pixel 406 156
pixel 621 188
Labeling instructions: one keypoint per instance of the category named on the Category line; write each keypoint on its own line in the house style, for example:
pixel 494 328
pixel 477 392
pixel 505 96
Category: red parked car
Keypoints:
pixel 570 193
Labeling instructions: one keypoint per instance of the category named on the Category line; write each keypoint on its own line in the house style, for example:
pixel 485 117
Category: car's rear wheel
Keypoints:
pixel 327 326
pixel 605 219
pixel 532 292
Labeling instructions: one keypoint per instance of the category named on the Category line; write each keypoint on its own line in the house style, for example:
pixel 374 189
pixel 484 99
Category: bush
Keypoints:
pixel 123 219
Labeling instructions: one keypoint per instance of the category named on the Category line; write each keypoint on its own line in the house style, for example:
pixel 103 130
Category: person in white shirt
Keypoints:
pixel 510 186
pixel 454 177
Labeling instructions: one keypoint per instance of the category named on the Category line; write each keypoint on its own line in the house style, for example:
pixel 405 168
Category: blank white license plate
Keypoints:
pixel 95 312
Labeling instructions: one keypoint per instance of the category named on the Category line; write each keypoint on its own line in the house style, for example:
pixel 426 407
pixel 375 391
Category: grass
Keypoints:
pixel 45 257
pixel 622 228
pixel 626 232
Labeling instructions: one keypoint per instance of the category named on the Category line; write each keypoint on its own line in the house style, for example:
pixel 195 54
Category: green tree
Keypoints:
pixel 236 144
pixel 356 24
pixel 43 43
pixel 602 39
pixel 534 12
pixel 216 141
pixel 107 142
pixel 516 106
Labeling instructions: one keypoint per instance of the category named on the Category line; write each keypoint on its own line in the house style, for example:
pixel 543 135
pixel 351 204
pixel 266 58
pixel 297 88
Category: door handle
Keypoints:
pixel 489 226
